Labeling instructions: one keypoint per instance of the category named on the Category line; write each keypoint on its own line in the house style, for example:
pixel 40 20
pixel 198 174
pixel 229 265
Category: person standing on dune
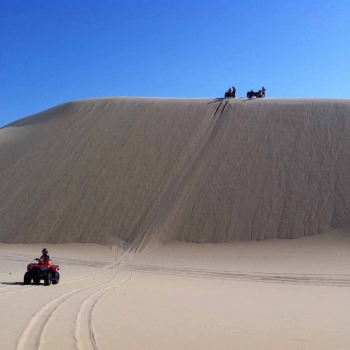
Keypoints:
pixel 263 90
pixel 233 92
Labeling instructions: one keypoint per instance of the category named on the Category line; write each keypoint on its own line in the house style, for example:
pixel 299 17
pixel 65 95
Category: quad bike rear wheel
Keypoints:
pixel 56 278
pixel 36 280
pixel 27 278
pixel 48 279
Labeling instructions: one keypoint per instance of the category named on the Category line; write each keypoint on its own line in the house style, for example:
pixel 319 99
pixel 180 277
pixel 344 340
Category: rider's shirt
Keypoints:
pixel 44 259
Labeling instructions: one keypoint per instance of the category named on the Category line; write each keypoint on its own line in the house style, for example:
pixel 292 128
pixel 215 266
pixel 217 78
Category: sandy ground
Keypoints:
pixel 277 294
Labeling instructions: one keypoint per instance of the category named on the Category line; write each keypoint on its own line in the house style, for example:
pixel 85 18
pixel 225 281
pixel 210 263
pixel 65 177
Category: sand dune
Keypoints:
pixel 114 170
pixel 122 171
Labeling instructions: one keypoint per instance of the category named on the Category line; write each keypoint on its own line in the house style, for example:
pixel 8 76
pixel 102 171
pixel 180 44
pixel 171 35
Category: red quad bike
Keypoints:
pixel 37 272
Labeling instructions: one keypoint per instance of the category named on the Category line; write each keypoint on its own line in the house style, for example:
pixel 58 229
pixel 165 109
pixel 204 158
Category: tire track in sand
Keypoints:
pixel 71 280
pixel 32 334
pixel 333 280
pixel 84 333
pixel 79 278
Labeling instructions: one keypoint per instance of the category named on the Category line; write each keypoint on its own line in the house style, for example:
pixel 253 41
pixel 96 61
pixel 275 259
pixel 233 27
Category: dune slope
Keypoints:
pixel 115 170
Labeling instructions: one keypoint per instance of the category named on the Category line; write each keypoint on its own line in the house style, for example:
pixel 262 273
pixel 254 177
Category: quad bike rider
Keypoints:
pixel 230 93
pixel 45 258
pixel 43 270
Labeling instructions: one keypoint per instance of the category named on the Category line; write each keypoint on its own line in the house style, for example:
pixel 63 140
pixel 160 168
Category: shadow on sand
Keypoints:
pixel 12 283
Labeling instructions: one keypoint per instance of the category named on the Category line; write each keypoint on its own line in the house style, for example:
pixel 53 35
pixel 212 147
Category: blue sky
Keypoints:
pixel 61 50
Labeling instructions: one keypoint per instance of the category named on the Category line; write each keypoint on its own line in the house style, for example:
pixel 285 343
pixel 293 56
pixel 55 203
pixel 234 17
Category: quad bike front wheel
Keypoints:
pixel 56 278
pixel 27 278
pixel 48 279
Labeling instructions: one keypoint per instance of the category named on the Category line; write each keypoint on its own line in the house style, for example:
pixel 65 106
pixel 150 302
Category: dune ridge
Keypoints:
pixel 133 170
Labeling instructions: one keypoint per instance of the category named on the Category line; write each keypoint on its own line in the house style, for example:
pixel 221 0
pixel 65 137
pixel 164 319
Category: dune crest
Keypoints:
pixel 114 170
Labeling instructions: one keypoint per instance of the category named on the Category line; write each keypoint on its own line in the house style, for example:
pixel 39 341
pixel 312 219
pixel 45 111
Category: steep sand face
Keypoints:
pixel 130 169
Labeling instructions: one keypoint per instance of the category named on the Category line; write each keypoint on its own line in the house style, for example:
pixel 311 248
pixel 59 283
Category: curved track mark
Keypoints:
pixel 31 336
pixel 69 280
pixel 84 334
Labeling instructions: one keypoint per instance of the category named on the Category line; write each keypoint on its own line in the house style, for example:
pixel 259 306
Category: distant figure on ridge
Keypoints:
pixel 233 92
pixel 228 93
pixel 263 92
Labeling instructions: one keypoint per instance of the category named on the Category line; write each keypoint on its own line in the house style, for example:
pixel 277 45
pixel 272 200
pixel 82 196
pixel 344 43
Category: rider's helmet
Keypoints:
pixel 45 251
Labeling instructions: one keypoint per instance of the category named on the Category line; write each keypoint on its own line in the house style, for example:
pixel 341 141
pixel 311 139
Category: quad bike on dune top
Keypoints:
pixel 39 271
pixel 251 94
pixel 230 94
